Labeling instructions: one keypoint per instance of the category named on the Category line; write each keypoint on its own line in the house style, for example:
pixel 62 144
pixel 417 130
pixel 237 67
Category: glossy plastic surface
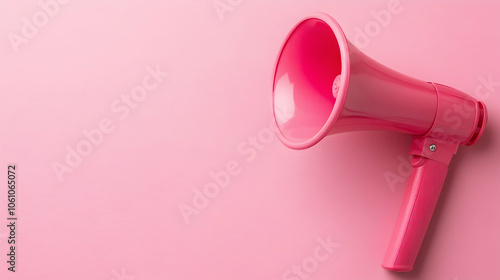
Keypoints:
pixel 307 102
pixel 429 168
pixel 425 184
pixel 306 105
pixel 324 85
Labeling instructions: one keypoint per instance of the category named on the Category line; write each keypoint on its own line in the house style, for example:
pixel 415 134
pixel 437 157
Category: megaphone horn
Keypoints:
pixel 324 85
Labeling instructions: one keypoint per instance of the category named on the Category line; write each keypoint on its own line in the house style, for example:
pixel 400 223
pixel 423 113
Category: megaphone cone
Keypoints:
pixel 324 85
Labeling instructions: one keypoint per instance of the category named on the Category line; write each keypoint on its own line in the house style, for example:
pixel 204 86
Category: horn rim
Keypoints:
pixel 341 96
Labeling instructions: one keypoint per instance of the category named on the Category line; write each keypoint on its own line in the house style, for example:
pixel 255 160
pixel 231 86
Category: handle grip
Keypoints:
pixel 424 186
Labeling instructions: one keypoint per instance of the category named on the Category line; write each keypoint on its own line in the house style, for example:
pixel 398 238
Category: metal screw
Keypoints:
pixel 433 147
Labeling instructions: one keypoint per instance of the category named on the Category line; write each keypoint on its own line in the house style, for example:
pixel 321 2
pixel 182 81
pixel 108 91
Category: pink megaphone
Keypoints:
pixel 324 85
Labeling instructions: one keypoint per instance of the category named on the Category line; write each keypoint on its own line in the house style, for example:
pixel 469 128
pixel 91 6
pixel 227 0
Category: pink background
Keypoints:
pixel 116 215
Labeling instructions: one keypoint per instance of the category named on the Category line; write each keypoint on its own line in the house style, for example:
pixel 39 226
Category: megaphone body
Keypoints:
pixel 324 85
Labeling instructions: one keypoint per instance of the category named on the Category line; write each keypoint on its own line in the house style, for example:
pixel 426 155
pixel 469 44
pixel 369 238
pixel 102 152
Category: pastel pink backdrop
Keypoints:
pixel 117 213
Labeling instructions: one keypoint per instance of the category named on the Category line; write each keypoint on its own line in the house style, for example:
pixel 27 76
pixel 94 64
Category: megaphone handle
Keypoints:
pixel 424 186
